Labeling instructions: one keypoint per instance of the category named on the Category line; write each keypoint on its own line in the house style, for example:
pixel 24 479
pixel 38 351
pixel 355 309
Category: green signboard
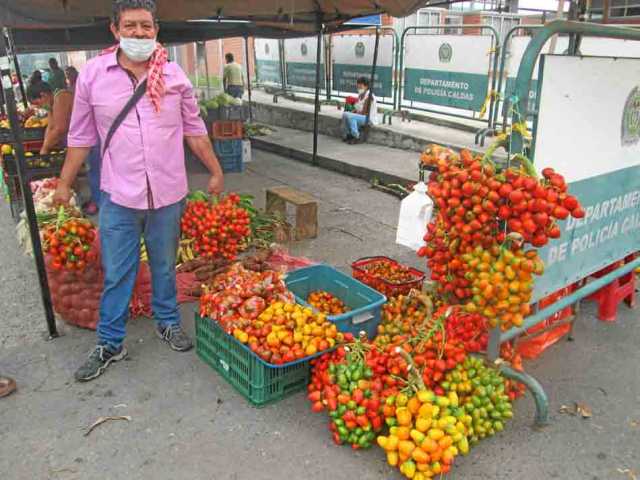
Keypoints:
pixel 304 74
pixel 609 231
pixel 268 71
pixel 466 91
pixel 345 76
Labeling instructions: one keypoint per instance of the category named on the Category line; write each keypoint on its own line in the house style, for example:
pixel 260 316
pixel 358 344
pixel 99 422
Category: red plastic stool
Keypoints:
pixel 621 289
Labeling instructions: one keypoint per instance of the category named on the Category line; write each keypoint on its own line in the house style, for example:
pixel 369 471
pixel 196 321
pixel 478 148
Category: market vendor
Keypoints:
pixel 353 121
pixel 143 177
pixel 58 104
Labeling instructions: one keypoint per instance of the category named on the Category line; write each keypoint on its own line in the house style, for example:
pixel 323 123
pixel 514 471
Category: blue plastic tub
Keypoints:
pixel 365 303
pixel 229 153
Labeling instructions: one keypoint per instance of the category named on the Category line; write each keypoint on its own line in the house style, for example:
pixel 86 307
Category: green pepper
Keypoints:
pixel 342 409
pixel 343 432
pixel 338 421
pixel 356 374
pixel 363 441
pixel 352 405
pixel 368 373
pixel 391 421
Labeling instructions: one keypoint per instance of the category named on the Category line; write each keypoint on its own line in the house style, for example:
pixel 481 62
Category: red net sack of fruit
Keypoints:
pixel 75 293
pixel 552 329
pixel 280 261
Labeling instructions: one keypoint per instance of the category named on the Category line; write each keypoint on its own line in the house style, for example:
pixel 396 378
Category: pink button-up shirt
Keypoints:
pixel 144 165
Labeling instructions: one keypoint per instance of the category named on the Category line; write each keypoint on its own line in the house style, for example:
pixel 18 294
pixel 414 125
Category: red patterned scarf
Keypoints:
pixel 155 80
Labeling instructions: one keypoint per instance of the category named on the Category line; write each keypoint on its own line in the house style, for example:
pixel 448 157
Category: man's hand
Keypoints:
pixel 62 195
pixel 216 185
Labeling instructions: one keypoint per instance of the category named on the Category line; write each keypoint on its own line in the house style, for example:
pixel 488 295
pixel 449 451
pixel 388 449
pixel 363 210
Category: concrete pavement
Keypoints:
pixel 187 423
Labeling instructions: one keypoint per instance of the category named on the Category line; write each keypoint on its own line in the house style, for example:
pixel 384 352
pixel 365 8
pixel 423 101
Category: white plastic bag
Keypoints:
pixel 415 213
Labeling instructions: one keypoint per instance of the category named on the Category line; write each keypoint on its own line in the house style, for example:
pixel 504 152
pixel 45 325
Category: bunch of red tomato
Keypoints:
pixel 218 229
pixel 469 328
pixel 352 385
pixel 70 243
pixel 530 206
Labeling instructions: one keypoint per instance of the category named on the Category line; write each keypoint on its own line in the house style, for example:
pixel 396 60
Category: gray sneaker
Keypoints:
pixel 99 359
pixel 176 337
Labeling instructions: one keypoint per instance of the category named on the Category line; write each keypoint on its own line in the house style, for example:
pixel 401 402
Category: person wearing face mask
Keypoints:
pixel 352 121
pixel 58 104
pixel 141 108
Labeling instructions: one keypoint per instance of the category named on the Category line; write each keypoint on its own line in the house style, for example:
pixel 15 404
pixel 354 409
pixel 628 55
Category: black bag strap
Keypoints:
pixel 137 95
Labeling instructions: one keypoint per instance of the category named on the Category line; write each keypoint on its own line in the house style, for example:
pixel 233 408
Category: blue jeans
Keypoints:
pixel 95 163
pixel 120 232
pixel 351 123
pixel 236 91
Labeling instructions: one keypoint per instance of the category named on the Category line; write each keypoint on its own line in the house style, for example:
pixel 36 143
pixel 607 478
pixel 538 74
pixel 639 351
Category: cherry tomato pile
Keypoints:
pixel 502 283
pixel 239 295
pixel 387 276
pixel 286 332
pixel 69 243
pixel 483 395
pixel 429 432
pixel 403 316
pixel 219 229
pixel 327 303
pixel 529 206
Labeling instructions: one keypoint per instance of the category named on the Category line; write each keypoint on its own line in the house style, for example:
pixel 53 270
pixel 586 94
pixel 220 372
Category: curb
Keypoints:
pixel 328 163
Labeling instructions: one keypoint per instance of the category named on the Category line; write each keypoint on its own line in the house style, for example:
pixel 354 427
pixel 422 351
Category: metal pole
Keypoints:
pixel 12 47
pixel 246 54
pixel 16 130
pixel 316 110
pixel 371 84
pixel 328 61
pixel 206 68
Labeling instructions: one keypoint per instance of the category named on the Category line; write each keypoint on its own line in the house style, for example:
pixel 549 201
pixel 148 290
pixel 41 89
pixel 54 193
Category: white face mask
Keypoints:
pixel 361 91
pixel 138 49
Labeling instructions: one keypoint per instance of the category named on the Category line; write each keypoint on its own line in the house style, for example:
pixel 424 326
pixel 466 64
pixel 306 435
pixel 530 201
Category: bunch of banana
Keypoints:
pixel 144 256
pixel 185 251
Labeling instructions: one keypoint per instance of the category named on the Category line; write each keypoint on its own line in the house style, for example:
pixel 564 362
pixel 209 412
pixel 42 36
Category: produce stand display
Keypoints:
pixel 424 375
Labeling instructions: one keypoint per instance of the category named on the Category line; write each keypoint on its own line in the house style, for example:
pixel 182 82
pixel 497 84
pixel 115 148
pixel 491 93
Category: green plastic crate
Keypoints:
pixel 256 380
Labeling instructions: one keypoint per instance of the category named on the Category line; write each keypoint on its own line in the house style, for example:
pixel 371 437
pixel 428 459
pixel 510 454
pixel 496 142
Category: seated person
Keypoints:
pixel 352 121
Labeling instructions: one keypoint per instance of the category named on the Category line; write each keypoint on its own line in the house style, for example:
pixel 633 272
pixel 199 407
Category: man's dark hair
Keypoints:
pixel 35 90
pixel 229 57
pixel 120 6
pixel 53 63
pixel 363 81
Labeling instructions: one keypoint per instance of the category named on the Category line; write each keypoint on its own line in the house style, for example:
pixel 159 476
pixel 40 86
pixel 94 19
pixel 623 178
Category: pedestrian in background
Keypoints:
pixel 232 77
pixel 56 78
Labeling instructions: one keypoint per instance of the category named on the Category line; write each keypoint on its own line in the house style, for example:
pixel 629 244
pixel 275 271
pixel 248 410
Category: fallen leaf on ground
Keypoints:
pixel 577 408
pixel 635 423
pixel 102 420
pixel 584 410
pixel 629 473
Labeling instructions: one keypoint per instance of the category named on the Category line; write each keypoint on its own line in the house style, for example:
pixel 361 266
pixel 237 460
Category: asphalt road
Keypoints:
pixel 187 423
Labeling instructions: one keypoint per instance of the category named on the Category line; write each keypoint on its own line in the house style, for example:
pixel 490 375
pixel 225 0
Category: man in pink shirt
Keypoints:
pixel 144 181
